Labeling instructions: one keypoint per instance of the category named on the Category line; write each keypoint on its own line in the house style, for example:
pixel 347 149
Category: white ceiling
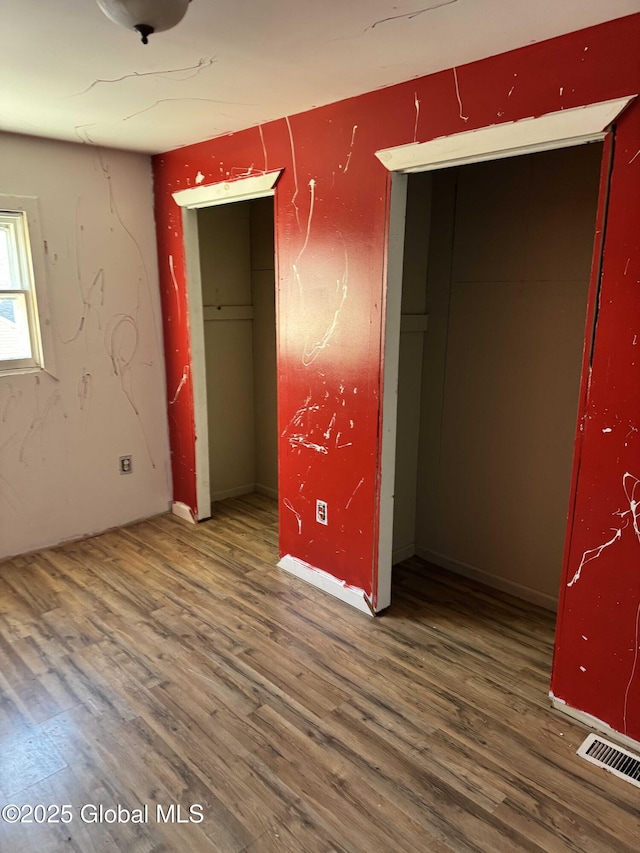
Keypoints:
pixel 68 72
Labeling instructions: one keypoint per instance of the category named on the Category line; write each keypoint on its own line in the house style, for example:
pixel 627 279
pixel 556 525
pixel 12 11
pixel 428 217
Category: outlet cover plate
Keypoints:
pixel 322 512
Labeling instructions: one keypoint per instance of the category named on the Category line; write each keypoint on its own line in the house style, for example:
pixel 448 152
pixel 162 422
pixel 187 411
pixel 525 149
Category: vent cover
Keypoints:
pixel 612 757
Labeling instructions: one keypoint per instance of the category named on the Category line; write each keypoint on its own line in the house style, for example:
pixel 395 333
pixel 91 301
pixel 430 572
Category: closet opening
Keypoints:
pixel 237 273
pixel 496 271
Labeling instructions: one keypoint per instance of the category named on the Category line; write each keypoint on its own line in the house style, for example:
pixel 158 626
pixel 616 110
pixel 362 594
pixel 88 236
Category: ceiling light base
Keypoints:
pixel 158 15
pixel 145 31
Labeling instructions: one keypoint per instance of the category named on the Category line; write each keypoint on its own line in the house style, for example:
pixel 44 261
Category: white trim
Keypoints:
pixel 327 583
pixel 542 599
pixel 190 200
pixel 236 492
pixel 198 360
pixel 404 553
pixel 525 136
pixel 222 192
pixel 592 722
pixel 393 320
pixel 183 511
pixel 41 332
pixel 553 130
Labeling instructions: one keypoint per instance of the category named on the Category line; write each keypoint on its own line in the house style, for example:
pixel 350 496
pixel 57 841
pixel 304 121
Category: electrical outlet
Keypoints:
pixel 126 465
pixel 321 512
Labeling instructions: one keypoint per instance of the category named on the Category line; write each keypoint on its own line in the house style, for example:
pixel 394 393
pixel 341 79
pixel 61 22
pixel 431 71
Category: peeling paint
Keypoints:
pixel 113 206
pixel 121 343
pixel 264 149
pixel 87 305
pixel 176 289
pixel 292 509
pixel 84 389
pixel 310 355
pixel 594 553
pixel 312 192
pixel 327 433
pixel 461 111
pixel 295 172
pixel 181 384
pixel 631 487
pixel 353 138
pixel 307 313
pixel 297 416
pixel 241 171
pixel 353 493
pixel 300 440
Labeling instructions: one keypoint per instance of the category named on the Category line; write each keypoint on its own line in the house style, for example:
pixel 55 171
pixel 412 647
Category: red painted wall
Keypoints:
pixel 331 211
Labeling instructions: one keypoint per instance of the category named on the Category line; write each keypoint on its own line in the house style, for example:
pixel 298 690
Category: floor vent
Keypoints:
pixel 612 757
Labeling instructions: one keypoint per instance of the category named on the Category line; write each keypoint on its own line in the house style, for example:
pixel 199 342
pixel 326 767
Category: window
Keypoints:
pixel 21 345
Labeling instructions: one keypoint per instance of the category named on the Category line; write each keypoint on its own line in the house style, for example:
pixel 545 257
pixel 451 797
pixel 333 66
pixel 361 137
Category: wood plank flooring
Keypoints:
pixel 169 664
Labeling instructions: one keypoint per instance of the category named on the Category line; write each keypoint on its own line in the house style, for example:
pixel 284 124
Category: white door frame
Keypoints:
pixel 191 200
pixel 526 136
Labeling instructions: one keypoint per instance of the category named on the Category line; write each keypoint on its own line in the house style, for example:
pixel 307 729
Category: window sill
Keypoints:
pixel 21 371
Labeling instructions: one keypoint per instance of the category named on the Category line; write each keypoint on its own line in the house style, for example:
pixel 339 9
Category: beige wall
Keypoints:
pixel 237 269
pixel 508 321
pixel 224 234
pixel 62 433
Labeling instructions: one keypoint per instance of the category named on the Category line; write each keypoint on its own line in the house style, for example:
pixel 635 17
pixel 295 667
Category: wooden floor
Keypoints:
pixel 170 664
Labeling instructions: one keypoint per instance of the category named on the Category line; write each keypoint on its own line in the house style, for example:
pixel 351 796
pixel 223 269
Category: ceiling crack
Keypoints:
pixel 206 100
pixel 206 62
pixel 410 15
pixel 86 139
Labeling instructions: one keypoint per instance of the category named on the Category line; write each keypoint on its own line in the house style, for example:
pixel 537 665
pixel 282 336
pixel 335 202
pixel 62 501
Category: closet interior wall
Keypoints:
pixel 238 292
pixel 498 256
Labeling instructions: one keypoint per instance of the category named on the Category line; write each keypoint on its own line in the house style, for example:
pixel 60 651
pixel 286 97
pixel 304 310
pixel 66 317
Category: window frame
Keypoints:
pixel 21 217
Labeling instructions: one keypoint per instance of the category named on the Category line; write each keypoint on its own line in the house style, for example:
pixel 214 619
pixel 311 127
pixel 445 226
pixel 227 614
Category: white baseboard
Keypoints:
pixel 183 511
pixel 233 493
pixel 323 580
pixel 266 490
pixel 593 723
pixel 516 589
pixel 400 554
